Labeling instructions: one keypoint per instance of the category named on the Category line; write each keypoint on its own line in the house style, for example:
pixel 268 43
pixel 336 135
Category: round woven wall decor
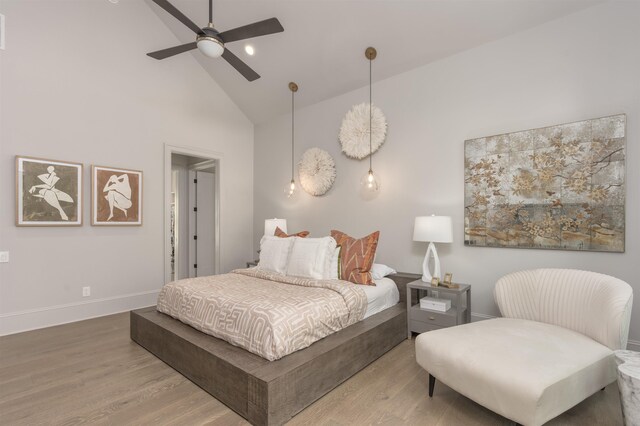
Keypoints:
pixel 354 131
pixel 317 171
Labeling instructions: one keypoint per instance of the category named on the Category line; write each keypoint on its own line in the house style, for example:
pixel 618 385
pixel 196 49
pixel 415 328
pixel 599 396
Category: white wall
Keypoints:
pixel 582 66
pixel 76 85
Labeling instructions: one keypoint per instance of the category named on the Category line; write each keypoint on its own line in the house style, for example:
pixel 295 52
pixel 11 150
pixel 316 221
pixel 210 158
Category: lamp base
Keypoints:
pixel 426 272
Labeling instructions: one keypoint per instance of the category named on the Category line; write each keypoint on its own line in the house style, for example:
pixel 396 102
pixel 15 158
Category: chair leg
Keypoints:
pixel 432 384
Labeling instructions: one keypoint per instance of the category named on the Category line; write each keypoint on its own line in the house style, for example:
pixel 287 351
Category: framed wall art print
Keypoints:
pixel 116 196
pixel 558 187
pixel 48 192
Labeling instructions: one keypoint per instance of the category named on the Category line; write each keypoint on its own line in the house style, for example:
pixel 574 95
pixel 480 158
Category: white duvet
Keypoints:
pixel 381 296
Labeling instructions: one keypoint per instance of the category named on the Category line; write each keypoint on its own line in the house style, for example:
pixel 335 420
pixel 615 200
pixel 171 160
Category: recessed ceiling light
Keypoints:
pixel 114 1
pixel 249 49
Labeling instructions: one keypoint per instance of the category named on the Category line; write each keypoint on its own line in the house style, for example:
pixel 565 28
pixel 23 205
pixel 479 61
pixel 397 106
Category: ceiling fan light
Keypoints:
pixel 210 46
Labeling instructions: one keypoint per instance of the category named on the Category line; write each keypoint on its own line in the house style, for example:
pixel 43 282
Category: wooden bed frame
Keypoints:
pixel 271 392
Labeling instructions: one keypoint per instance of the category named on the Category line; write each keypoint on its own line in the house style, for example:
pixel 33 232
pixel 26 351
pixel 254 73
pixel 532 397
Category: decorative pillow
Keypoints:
pixel 356 256
pixel 274 253
pixel 334 266
pixel 310 257
pixel 379 271
pixel 280 233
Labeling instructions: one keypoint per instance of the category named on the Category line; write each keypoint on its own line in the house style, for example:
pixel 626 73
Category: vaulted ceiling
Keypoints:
pixel 322 47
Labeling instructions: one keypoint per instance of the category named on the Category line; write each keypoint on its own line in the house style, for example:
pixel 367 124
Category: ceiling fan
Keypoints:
pixel 212 43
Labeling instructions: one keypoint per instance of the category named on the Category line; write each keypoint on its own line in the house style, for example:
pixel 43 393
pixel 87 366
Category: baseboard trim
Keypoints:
pixel 33 319
pixel 632 345
pixel 475 316
pixel 48 316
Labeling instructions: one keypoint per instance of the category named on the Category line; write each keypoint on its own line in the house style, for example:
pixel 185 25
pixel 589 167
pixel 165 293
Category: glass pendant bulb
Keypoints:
pixel 370 182
pixel 290 189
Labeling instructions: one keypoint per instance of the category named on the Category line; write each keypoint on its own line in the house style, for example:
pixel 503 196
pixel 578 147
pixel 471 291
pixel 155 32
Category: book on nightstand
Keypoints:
pixel 435 304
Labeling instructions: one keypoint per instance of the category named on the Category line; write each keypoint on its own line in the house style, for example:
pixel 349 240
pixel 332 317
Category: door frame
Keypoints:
pixel 194 152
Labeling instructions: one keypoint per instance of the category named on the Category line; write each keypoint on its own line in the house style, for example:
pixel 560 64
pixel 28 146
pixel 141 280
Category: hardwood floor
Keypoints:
pixel 91 372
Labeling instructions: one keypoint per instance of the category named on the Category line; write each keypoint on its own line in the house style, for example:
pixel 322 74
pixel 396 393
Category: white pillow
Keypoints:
pixel 274 253
pixel 311 257
pixel 334 265
pixel 379 271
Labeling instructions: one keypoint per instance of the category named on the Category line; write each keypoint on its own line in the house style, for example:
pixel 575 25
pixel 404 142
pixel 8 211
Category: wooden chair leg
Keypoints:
pixel 432 384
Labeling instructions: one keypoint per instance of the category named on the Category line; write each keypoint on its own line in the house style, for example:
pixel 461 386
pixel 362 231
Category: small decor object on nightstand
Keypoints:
pixel 435 281
pixel 447 281
pixel 435 304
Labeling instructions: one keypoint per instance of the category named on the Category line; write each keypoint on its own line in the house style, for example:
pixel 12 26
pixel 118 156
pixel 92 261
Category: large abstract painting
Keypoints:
pixel 558 187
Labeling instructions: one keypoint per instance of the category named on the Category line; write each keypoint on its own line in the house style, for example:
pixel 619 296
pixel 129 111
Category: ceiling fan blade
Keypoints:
pixel 165 53
pixel 268 26
pixel 171 9
pixel 242 68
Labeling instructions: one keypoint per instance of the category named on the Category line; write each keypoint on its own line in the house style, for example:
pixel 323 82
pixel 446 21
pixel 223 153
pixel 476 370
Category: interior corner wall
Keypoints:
pixel 76 85
pixel 582 66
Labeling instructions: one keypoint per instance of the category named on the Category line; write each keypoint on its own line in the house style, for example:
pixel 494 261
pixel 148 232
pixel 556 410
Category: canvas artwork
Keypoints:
pixel 48 192
pixel 116 196
pixel 558 187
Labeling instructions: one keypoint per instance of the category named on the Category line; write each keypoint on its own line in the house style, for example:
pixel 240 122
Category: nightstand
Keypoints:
pixel 421 320
pixel 252 263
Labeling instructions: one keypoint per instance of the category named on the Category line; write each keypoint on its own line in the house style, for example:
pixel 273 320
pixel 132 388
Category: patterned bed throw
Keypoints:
pixel 269 314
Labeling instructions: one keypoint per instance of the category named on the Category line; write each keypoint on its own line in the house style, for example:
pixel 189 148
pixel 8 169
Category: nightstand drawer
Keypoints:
pixel 423 327
pixel 443 319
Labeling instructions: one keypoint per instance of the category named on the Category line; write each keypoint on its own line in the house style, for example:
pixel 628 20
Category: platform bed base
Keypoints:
pixel 269 392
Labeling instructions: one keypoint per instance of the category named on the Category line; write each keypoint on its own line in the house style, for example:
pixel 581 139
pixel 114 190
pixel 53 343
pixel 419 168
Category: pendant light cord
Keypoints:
pixel 370 117
pixel 292 130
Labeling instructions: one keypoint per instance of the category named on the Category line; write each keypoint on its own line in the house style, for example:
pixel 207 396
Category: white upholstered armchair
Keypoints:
pixel 552 348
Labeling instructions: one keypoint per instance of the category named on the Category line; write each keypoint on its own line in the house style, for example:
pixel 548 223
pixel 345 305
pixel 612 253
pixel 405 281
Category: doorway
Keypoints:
pixel 192 243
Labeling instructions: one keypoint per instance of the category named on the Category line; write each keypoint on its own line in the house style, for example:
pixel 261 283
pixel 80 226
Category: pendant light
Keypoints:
pixel 370 183
pixel 290 188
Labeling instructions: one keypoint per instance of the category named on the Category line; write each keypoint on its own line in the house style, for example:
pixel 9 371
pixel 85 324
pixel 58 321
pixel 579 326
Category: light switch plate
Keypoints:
pixel 4 257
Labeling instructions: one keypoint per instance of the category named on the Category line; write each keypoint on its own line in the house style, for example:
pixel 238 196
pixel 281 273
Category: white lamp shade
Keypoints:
pixel 435 229
pixel 210 47
pixel 270 226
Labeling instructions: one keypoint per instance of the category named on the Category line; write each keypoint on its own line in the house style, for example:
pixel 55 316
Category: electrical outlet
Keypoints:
pixel 86 291
pixel 4 257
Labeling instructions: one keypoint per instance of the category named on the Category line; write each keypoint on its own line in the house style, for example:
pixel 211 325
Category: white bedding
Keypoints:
pixel 381 296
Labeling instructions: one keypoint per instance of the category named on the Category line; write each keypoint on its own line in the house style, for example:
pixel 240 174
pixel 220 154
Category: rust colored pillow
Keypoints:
pixel 280 233
pixel 356 256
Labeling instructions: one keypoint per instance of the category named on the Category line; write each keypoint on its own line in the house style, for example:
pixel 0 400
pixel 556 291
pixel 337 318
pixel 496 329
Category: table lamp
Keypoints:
pixel 270 226
pixel 434 229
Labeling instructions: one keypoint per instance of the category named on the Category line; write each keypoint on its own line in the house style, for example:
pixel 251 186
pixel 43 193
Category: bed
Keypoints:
pixel 271 392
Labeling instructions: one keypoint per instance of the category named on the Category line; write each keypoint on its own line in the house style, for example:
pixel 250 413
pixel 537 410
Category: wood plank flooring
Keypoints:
pixel 90 372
